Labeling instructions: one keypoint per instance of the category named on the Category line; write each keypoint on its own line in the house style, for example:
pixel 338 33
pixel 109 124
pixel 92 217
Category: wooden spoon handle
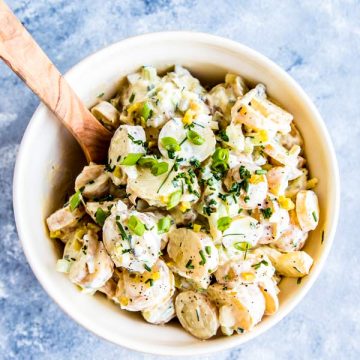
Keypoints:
pixel 24 56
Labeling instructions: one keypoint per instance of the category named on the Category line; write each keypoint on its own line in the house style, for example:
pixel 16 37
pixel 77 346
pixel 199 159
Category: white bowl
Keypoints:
pixel 49 159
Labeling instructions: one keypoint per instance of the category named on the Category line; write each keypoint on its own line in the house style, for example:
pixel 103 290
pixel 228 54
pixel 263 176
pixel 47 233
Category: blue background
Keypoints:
pixel 317 42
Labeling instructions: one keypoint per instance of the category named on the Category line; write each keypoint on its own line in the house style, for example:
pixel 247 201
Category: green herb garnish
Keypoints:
pixel 195 137
pixel 131 159
pixel 136 226
pixel 223 223
pixel 75 200
pixel 163 225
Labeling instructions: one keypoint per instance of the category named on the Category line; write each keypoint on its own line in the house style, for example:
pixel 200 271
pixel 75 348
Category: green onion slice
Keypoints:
pixel 146 111
pixel 170 144
pixel 195 137
pixel 75 200
pixel 136 226
pixel 223 223
pixel 131 159
pixel 163 225
pixel 174 199
pixel 159 168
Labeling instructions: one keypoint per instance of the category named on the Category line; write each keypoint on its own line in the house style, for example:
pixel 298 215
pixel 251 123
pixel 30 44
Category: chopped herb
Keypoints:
pixel 196 163
pixel 244 173
pixel 123 233
pixel 260 172
pixel 163 225
pixel 124 251
pixel 195 137
pixel 246 198
pixel 262 262
pixel 189 265
pixel 131 159
pixel 101 216
pixel 167 176
pixel 223 223
pixel 170 144
pixel 147 162
pixel 174 199
pixel 136 226
pixel 137 142
pixel 132 98
pixel 267 213
pixel 101 95
pixel 222 196
pixel 208 249
pixel 314 216
pixel 240 330
pixel 146 111
pixel 197 315
pixel 150 281
pixel 242 246
pixel 75 200
pixel 147 267
pixel 203 258
pixel 159 168
pixel 223 135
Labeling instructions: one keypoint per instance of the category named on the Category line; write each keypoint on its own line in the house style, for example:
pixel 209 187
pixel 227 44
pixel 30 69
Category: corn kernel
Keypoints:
pixel 164 199
pixel 188 117
pixel 197 227
pixel 55 234
pixel 310 184
pixel 256 179
pixel 134 107
pixel 124 301
pixel 286 203
pixel 117 172
pixel 248 276
pixel 185 205
pixel 194 106
pixel 156 275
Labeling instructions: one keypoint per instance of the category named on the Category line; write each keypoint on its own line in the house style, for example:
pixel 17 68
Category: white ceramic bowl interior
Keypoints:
pixel 49 160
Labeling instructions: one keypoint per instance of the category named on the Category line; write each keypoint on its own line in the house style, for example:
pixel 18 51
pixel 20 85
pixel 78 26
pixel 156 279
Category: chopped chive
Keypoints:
pixel 189 265
pixel 203 258
pixel 132 97
pixel 151 281
pixel 170 144
pixel 136 226
pixel 101 95
pixel 101 216
pixel 146 111
pixel 195 137
pixel 208 249
pixel 197 315
pixel 147 267
pixel 159 168
pixel 122 231
pixel 163 225
pixel 314 216
pixel 174 199
pixel 260 172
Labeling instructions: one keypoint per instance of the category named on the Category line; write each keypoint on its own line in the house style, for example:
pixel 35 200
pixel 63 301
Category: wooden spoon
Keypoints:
pixel 24 56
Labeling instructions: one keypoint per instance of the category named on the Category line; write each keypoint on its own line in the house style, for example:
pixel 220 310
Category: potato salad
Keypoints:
pixel 203 206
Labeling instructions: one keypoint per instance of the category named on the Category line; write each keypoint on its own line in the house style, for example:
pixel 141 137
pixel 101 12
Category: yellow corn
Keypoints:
pixel 156 275
pixel 117 172
pixel 286 203
pixel 55 234
pixel 260 137
pixel 185 205
pixel 256 179
pixel 248 276
pixel 310 184
pixel 188 117
pixel 134 107
pixel 124 301
pixel 164 199
pixel 197 227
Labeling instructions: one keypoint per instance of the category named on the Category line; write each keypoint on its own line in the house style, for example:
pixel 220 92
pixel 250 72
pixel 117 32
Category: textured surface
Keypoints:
pixel 317 42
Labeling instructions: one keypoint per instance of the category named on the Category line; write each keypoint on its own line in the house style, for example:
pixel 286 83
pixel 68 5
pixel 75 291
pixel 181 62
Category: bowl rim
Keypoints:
pixel 223 43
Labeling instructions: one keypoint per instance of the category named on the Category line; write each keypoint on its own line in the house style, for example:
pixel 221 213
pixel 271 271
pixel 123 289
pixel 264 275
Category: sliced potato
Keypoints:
pixel 281 155
pixel 197 314
pixel 270 291
pixel 307 209
pixel 106 113
pixel 193 254
pixel 133 251
pixel 293 264
pixel 160 313
pixel 244 305
pixel 137 292
pixel 64 220
pixel 127 139
pixel 200 148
